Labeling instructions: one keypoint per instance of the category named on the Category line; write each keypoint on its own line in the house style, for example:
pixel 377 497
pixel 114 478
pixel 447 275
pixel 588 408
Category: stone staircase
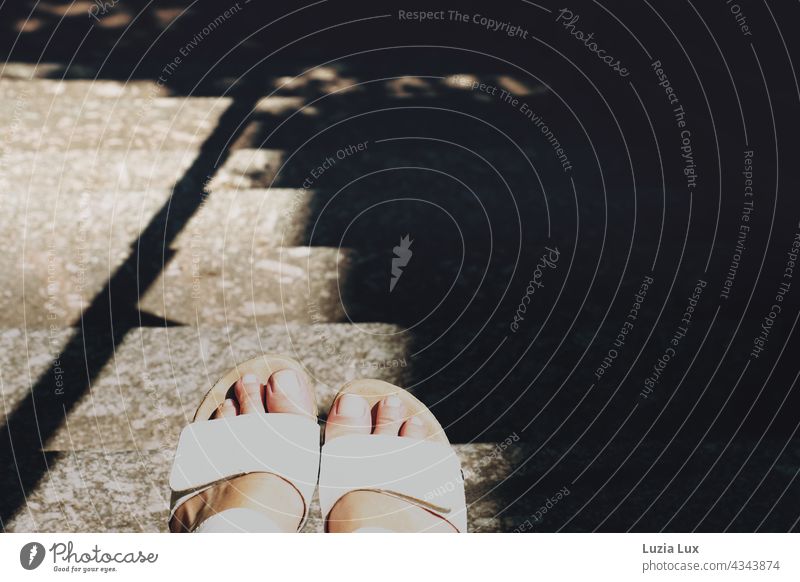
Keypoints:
pixel 152 240
pixel 86 167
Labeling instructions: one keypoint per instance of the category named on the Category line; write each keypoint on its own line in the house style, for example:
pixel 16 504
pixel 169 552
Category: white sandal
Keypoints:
pixel 423 472
pixel 210 451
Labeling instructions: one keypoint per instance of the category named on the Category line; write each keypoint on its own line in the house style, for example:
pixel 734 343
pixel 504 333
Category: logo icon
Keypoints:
pixel 31 555
pixel 402 254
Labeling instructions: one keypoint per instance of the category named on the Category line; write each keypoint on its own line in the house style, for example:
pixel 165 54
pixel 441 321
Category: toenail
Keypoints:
pixel 392 401
pixel 351 406
pixel 286 382
pixel 415 420
pixel 250 379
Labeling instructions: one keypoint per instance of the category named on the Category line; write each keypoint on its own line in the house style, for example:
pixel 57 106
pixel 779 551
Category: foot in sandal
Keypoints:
pixel 239 415
pixel 387 465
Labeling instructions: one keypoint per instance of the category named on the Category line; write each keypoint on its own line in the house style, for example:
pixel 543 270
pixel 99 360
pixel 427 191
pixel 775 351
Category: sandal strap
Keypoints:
pixel 286 445
pixel 424 473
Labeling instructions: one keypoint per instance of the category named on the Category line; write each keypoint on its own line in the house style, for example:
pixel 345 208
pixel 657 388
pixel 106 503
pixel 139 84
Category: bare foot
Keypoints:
pixel 351 414
pixel 285 392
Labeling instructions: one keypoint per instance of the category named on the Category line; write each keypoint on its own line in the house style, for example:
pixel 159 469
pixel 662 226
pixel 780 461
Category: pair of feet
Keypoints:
pixel 287 392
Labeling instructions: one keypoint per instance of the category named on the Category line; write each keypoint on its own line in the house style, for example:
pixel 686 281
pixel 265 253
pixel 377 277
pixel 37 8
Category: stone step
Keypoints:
pixel 52 115
pixel 245 253
pixel 143 388
pixel 133 168
pixel 49 124
pixel 81 82
pixel 127 491
pixel 74 171
pixel 16 83
pixel 142 397
pixel 261 286
pixel 482 382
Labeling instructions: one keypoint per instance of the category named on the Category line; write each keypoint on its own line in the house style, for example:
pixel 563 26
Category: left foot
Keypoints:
pixel 351 414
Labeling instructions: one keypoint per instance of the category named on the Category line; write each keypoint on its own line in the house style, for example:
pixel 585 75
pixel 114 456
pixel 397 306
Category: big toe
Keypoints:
pixel 350 414
pixel 289 391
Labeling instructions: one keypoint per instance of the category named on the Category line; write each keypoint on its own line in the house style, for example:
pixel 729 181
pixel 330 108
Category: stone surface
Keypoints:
pixel 16 83
pixel 127 491
pixel 143 398
pixel 73 172
pixel 51 123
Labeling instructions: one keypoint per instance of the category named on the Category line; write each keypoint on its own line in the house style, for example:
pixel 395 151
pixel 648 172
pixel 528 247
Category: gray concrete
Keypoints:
pixel 126 491
pixel 144 397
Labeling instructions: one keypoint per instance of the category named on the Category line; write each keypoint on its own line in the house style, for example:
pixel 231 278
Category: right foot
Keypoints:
pixel 351 414
pixel 286 391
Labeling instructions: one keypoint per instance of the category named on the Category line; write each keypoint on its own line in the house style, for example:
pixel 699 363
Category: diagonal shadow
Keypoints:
pixel 111 314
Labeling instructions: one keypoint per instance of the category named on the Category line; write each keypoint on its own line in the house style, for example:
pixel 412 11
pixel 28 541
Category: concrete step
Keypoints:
pixel 261 286
pixel 16 84
pixel 127 491
pixel 509 487
pixel 137 169
pixel 142 397
pixel 245 254
pixel 76 171
pixel 52 123
pixel 82 79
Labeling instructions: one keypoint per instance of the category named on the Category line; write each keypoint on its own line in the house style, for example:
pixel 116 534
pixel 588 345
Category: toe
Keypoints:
pixel 250 394
pixel 414 428
pixel 288 391
pixel 389 416
pixel 350 414
pixel 227 409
